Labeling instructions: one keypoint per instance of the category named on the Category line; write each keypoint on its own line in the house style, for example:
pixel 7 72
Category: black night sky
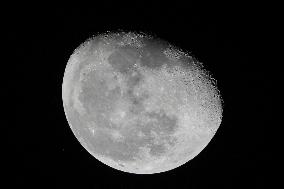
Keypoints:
pixel 224 38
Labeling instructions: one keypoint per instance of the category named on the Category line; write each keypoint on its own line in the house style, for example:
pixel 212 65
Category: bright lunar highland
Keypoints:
pixel 139 104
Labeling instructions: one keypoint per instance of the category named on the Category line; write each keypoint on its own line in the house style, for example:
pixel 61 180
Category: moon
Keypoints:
pixel 139 104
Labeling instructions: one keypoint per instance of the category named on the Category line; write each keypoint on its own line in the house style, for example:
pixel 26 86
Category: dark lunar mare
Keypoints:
pixel 123 59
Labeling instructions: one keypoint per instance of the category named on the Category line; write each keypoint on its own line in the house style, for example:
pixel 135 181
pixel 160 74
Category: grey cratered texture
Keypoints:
pixel 132 104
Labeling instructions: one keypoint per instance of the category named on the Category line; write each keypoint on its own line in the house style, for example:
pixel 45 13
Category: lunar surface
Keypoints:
pixel 138 104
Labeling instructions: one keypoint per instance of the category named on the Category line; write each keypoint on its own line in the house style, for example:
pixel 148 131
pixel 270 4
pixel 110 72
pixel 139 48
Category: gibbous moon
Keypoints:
pixel 139 104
